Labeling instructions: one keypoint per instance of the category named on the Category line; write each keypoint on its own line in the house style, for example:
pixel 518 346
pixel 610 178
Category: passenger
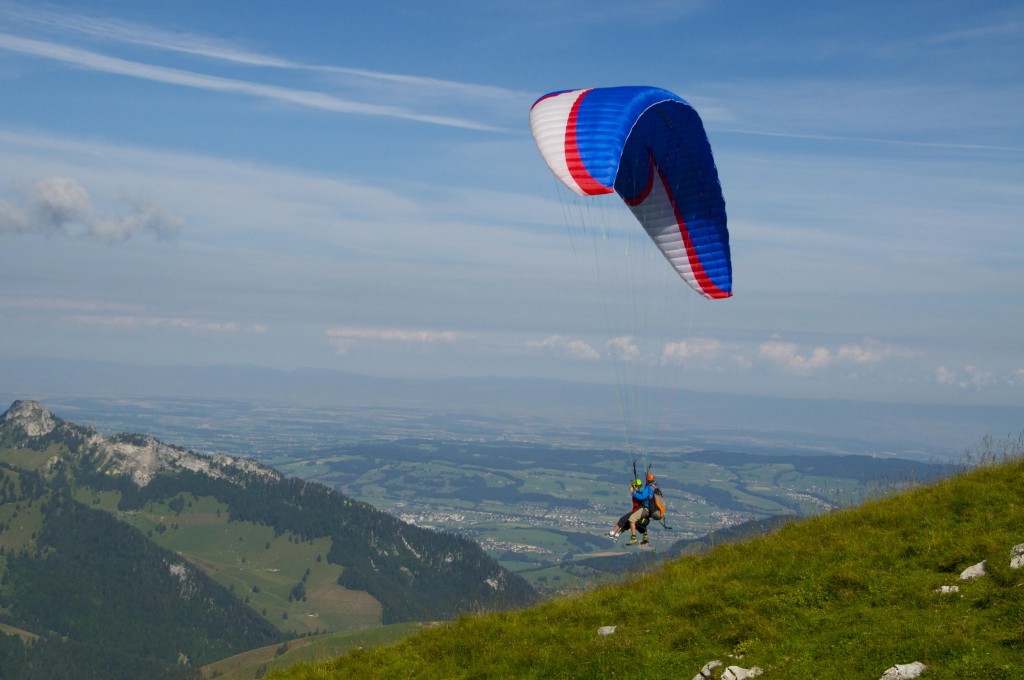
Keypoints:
pixel 641 496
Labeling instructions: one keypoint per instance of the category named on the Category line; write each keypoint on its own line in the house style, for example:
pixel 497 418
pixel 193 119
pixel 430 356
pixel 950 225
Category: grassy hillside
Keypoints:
pixel 256 662
pixel 261 567
pixel 844 595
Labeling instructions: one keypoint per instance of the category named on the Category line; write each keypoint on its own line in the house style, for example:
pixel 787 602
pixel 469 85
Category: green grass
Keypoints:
pixel 313 649
pixel 30 459
pixel 259 567
pixel 843 595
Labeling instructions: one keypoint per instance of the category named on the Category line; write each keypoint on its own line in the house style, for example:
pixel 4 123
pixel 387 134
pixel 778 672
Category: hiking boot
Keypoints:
pixel 632 540
pixel 647 539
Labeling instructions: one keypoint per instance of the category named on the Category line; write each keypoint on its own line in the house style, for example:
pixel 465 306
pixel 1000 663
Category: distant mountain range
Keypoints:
pixel 125 557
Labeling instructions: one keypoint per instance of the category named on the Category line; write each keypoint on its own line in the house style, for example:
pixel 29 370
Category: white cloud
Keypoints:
pixel 894 115
pixel 869 352
pixel 172 76
pixel 803 362
pixel 132 322
pixel 117 30
pixel 45 303
pixel 563 346
pixel 60 206
pixel 344 339
pixel 972 377
pixel 980 34
pixel 624 348
pixel 741 361
pixel 858 354
pixel 127 32
pixel 787 355
pixel 977 377
pixel 686 351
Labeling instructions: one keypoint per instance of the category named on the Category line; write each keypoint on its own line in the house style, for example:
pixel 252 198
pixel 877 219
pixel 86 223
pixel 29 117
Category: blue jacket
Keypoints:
pixel 644 495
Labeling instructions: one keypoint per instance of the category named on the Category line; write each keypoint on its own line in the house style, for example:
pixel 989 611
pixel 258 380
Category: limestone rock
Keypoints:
pixel 706 672
pixel 974 571
pixel 737 673
pixel 140 457
pixel 945 590
pixel 31 417
pixel 606 630
pixel 1017 556
pixel 904 671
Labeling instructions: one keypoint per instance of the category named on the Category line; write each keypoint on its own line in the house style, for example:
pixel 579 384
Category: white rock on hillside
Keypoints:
pixel 1017 557
pixel 707 671
pixel 974 571
pixel 140 457
pixel 31 416
pixel 904 671
pixel 737 673
pixel 946 590
pixel 606 630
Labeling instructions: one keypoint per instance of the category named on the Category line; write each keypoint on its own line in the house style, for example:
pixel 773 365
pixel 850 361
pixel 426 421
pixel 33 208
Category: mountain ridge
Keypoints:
pixel 148 493
pixel 139 456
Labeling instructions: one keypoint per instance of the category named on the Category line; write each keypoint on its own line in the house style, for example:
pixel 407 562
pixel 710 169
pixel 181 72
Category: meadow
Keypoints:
pixel 263 569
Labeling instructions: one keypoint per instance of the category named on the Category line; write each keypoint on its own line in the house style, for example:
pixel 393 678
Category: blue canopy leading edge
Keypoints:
pixel 649 146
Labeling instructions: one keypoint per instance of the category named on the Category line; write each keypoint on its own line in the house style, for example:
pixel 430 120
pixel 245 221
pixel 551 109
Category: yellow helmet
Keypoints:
pixel 637 482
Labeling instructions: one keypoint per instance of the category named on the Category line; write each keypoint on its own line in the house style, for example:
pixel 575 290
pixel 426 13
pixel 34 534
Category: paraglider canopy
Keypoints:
pixel 649 146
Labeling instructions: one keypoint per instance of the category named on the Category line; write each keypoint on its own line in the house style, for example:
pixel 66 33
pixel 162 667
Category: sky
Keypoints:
pixel 354 186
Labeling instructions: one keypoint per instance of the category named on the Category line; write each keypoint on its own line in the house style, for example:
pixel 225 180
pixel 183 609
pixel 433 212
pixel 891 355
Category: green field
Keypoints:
pixel 262 569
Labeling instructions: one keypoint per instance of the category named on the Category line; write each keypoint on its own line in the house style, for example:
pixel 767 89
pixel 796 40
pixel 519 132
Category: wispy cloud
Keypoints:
pixel 624 348
pixel 871 140
pixel 62 304
pixel 972 377
pixel 687 351
pixel 345 339
pixel 560 345
pixel 433 93
pixel 787 354
pixel 60 206
pixel 793 359
pixel 316 100
pixel 953 116
pixel 117 30
pixel 133 322
pixel 132 33
pixel 1011 29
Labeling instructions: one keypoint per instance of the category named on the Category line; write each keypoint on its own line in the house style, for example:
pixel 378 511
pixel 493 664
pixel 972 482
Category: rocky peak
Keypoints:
pixel 31 417
pixel 140 457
